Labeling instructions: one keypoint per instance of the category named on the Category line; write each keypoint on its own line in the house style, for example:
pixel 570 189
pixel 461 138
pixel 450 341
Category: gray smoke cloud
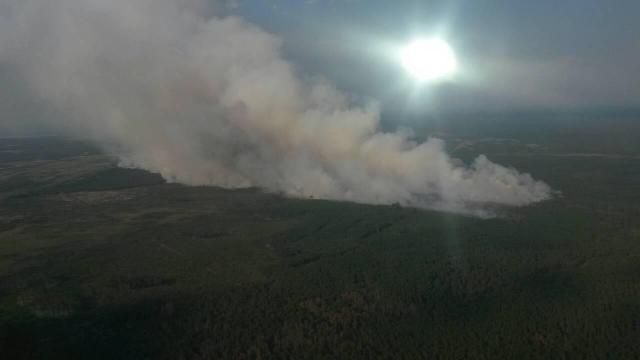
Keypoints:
pixel 170 87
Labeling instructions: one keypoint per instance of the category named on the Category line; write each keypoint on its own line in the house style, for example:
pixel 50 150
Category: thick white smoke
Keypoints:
pixel 210 101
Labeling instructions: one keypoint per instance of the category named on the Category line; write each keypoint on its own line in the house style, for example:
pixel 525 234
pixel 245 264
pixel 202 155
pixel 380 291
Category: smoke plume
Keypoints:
pixel 170 87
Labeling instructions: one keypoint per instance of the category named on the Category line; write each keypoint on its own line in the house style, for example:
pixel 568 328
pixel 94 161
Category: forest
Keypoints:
pixel 100 262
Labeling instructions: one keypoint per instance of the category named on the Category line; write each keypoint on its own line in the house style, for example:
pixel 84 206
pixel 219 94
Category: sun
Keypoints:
pixel 429 60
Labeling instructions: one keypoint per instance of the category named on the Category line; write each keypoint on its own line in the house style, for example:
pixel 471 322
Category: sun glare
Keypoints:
pixel 429 60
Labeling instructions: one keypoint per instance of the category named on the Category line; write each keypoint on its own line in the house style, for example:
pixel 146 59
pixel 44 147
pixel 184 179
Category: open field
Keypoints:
pixel 101 262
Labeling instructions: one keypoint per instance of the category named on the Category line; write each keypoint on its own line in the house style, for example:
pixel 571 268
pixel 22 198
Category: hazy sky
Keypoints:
pixel 516 54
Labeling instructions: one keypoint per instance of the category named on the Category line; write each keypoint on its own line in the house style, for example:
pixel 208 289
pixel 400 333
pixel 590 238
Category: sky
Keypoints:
pixel 517 55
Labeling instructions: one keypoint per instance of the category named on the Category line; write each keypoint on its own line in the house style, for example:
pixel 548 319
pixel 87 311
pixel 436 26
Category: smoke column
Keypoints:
pixel 169 87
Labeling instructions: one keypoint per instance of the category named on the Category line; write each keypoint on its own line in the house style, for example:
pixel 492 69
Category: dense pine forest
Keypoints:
pixel 100 262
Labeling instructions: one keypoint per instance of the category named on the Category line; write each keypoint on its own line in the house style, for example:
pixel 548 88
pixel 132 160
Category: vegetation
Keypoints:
pixel 104 263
